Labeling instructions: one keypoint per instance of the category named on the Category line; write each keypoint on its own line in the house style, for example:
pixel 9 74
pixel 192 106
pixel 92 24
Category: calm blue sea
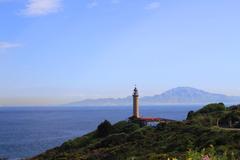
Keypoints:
pixel 28 131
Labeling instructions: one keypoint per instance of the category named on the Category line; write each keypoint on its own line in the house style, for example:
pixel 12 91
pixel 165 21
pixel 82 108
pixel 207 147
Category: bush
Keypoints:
pixel 137 135
pixel 234 107
pixel 215 107
pixel 118 127
pixel 78 142
pixel 104 129
pixel 232 117
pixel 131 127
pixel 113 140
pixel 208 154
pixel 190 115
pixel 161 126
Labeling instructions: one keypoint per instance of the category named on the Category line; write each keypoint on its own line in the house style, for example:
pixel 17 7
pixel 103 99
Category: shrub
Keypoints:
pixel 124 126
pixel 215 107
pixel 190 115
pixel 118 127
pixel 104 129
pixel 234 107
pixel 113 140
pixel 207 154
pixel 131 127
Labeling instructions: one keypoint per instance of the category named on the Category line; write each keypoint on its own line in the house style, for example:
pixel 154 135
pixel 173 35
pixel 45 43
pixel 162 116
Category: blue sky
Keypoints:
pixel 56 51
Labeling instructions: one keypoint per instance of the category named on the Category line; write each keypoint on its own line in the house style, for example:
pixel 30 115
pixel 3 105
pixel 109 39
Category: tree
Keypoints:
pixel 190 114
pixel 104 129
pixel 215 107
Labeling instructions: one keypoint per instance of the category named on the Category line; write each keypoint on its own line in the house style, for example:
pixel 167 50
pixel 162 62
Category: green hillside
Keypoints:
pixel 204 133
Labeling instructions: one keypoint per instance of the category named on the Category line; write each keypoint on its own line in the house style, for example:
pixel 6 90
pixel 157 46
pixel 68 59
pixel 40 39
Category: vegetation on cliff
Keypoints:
pixel 197 138
pixel 216 115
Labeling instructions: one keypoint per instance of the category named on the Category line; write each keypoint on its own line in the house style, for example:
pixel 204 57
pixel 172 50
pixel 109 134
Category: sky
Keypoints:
pixel 58 51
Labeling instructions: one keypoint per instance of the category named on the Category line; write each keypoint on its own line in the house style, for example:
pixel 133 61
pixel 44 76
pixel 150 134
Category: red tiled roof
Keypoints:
pixel 150 119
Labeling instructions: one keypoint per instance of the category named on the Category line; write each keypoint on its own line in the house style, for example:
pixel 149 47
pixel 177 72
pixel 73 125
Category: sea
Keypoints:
pixel 29 131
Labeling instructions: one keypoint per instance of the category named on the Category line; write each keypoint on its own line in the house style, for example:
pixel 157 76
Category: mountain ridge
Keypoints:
pixel 178 95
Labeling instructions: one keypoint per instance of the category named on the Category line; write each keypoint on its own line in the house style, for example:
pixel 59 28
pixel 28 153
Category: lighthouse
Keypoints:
pixel 144 120
pixel 135 103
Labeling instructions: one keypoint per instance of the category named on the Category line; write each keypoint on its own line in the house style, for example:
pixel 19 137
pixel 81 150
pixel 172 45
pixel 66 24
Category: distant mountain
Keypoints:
pixel 180 95
pixel 104 102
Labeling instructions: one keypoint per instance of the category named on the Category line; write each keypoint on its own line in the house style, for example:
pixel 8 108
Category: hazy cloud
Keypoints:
pixel 41 7
pixel 153 6
pixel 5 45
